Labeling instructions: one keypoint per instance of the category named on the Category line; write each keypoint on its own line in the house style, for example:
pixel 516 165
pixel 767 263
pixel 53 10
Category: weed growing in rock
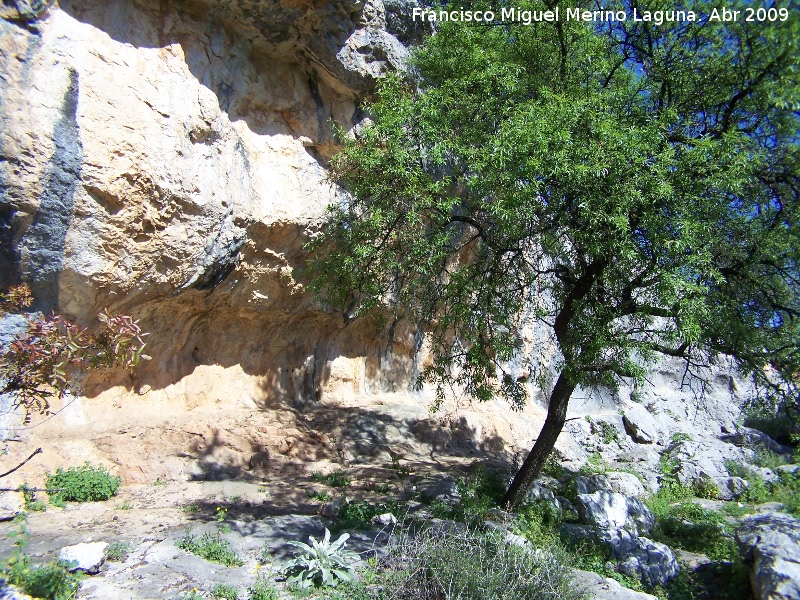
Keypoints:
pixel 679 437
pixel 691 527
pixel 190 508
pixel 117 551
pixel 159 482
pixel 320 496
pixel 321 563
pixel 29 498
pixel 595 465
pixel 51 582
pixel 262 589
pixel 192 595
pixel 83 484
pixel 225 591
pixel 357 515
pixel 705 488
pixel 222 514
pixel 124 506
pixel 211 547
pixel 336 479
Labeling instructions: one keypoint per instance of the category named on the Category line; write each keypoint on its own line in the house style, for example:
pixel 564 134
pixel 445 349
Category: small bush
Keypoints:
pixel 225 591
pixel 691 527
pixel 117 551
pixel 679 437
pixel 705 488
pixel 467 565
pixel 336 479
pixel 319 496
pixel 211 547
pixel 83 484
pixel 357 515
pixel 51 582
pixel 262 589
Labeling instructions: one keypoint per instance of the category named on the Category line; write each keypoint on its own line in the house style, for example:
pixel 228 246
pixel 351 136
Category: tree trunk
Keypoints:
pixel 553 424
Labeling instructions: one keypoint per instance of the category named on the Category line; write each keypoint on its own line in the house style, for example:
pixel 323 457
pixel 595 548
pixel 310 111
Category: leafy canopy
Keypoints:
pixel 634 187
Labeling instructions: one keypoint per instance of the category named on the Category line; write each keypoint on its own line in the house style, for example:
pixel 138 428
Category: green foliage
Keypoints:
pixel 594 465
pixel 29 499
pixel 470 565
pixel 83 484
pixel 613 183
pixel 320 496
pixel 691 527
pixel 336 479
pixel 262 589
pixel 51 582
pixel 118 551
pixel 321 563
pixel 705 488
pixel 222 514
pixel 357 514
pixel 191 595
pixel 538 522
pixel 211 546
pixel 769 459
pixel 225 591
pixel 680 436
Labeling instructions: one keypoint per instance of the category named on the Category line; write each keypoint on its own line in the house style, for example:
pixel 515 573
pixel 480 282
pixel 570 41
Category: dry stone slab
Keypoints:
pixel 640 424
pixel 771 542
pixel 619 482
pixel 11 592
pixel 87 557
pixel 11 504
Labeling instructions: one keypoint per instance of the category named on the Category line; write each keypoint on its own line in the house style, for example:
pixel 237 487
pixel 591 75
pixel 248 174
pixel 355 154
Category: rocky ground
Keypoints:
pixel 602 485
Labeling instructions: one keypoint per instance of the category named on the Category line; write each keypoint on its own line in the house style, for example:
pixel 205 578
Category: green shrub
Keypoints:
pixel 262 589
pixel 82 484
pixel 51 582
pixel 538 522
pixel 117 551
pixel 705 488
pixel 29 498
pixel 211 547
pixel 679 437
pixel 466 565
pixel 319 496
pixel 225 591
pixel 336 479
pixel 357 515
pixel 691 527
pixel 480 490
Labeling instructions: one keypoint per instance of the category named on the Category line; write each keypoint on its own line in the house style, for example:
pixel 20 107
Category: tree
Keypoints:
pixel 633 187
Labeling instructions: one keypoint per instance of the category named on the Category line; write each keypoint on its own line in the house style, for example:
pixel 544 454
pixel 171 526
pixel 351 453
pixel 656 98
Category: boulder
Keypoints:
pixel 609 510
pixel 641 557
pixel 706 460
pixel 11 504
pixel 384 520
pixel 771 543
pixel 619 482
pixel 640 424
pixel 87 557
pixel 753 438
pixel 444 489
pixel 11 592
pixel 597 587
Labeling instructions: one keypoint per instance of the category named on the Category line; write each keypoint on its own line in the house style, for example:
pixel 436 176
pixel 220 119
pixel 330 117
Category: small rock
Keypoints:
pixel 444 489
pixel 771 543
pixel 331 509
pixel 737 486
pixel 788 469
pixel 641 557
pixel 87 557
pixel 640 424
pixel 384 520
pixel 11 504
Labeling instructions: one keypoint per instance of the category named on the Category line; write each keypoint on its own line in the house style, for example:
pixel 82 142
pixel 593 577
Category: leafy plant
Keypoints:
pixel 83 484
pixel 126 505
pixel 321 563
pixel 705 488
pixel 117 551
pixel 262 589
pixel 357 514
pixel 191 595
pixel 225 591
pixel 51 582
pixel 29 499
pixel 222 514
pixel 211 547
pixel 52 354
pixel 680 436
pixel 336 479
pixel 320 496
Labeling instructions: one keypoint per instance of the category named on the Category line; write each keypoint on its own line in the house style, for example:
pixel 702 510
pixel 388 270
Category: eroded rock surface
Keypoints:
pixel 771 543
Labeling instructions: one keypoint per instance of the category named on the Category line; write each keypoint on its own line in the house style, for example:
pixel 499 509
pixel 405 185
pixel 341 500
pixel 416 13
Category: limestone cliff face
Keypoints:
pixel 167 159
